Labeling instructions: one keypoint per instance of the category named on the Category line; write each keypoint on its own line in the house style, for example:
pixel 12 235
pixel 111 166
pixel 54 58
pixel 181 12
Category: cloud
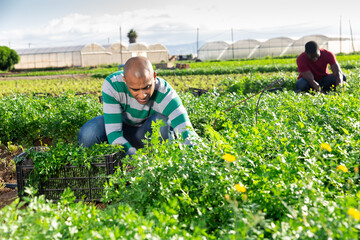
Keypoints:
pixel 151 26
pixel 172 25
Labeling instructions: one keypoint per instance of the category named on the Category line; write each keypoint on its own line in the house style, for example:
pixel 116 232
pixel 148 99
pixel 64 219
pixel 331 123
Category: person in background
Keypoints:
pixel 132 100
pixel 313 70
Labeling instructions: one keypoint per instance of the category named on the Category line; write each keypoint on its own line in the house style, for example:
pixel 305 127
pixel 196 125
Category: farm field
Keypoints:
pixel 283 166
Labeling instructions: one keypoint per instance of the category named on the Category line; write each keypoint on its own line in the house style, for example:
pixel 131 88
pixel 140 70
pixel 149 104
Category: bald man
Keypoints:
pixel 133 99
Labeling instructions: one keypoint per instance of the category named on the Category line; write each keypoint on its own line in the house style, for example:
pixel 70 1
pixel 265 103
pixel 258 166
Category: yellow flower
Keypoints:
pixel 228 157
pixel 354 213
pixel 342 168
pixel 325 146
pixel 356 169
pixel 240 188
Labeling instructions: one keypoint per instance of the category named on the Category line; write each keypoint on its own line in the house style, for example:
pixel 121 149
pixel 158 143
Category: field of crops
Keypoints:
pixel 283 166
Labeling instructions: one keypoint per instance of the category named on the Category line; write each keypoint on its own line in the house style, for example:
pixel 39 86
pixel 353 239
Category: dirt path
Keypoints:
pixel 75 76
pixel 7 174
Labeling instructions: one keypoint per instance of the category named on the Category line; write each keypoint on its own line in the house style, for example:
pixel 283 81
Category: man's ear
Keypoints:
pixel 155 74
pixel 123 77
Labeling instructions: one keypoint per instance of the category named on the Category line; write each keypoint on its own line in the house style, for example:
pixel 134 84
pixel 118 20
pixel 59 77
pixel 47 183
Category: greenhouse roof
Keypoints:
pixel 79 48
pixel 28 51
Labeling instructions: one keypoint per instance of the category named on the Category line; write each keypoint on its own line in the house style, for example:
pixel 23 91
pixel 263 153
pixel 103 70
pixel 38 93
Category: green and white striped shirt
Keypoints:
pixel 120 107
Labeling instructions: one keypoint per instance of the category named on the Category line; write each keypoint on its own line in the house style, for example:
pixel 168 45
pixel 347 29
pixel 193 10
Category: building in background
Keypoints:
pixel 88 55
pixel 280 46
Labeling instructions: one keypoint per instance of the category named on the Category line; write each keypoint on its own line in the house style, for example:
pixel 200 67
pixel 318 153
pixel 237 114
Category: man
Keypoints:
pixel 313 68
pixel 133 99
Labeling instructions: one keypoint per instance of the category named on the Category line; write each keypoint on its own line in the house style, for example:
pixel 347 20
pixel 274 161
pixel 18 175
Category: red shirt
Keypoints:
pixel 319 68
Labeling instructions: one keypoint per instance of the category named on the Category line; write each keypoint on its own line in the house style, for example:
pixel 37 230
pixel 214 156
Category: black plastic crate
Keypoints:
pixel 86 183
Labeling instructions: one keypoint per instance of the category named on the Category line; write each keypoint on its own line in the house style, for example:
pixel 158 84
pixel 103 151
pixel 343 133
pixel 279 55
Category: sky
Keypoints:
pixel 48 23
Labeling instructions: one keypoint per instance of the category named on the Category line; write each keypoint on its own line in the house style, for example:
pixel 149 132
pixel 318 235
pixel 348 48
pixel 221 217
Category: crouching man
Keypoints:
pixel 313 70
pixel 132 100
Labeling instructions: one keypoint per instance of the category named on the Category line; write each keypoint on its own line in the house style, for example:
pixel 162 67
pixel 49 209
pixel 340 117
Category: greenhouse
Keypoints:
pixel 280 46
pixel 272 47
pixel 213 50
pixel 241 49
pixel 49 57
pixel 88 55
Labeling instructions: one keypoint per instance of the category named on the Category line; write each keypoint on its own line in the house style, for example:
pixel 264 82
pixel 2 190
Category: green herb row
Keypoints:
pixel 27 120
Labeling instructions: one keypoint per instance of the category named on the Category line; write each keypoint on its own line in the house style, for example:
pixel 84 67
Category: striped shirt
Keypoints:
pixel 121 107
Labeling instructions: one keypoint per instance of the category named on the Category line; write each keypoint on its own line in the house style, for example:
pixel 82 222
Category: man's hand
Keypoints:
pixel 308 76
pixel 340 79
pixel 336 70
pixel 131 152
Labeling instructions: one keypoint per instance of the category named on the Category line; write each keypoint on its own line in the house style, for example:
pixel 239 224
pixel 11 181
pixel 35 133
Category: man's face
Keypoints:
pixel 314 56
pixel 141 88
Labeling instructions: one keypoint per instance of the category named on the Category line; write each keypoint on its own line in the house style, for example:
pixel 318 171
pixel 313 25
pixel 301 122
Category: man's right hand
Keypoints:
pixel 131 151
pixel 308 76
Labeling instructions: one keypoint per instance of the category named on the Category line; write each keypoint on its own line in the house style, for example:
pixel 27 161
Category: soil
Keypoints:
pixel 8 174
pixel 7 196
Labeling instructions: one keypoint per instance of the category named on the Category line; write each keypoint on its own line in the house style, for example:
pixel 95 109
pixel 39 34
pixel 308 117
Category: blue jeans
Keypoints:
pixel 94 131
pixel 326 83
